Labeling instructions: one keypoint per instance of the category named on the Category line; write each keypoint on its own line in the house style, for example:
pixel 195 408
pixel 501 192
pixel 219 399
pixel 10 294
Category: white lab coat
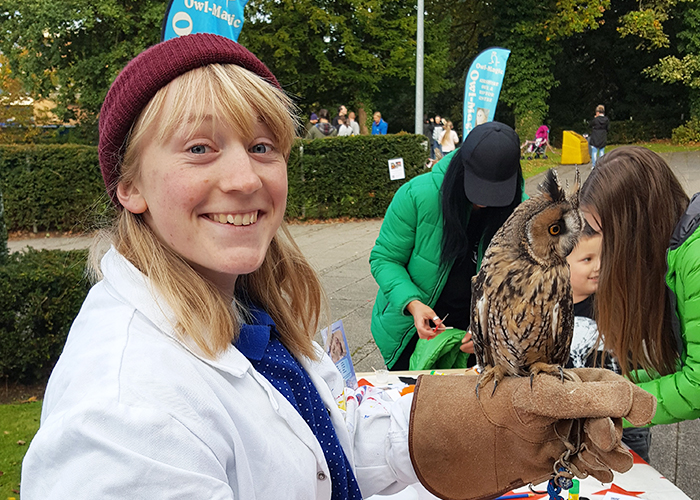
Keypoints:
pixel 131 411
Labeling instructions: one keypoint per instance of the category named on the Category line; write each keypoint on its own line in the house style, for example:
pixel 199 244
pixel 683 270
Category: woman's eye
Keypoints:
pixel 261 148
pixel 199 149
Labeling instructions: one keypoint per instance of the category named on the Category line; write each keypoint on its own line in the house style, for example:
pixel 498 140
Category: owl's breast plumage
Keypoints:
pixel 529 315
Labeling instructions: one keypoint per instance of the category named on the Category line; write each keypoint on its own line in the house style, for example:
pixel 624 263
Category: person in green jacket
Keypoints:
pixel 648 301
pixel 433 236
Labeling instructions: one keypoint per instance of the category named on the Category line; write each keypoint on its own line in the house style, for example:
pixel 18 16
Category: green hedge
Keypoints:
pixel 349 176
pixel 688 133
pixel 50 187
pixel 59 187
pixel 40 294
pixel 4 252
pixel 49 135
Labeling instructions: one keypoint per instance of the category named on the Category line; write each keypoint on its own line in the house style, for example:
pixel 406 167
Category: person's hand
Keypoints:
pixel 468 447
pixel 467 343
pixel 422 316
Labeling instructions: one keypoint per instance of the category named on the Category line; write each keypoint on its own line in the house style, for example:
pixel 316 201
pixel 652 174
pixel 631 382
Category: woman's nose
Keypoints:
pixel 238 172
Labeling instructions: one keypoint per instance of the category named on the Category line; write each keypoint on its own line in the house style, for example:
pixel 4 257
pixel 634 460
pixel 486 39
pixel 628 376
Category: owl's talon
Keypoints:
pixel 488 373
pixel 550 369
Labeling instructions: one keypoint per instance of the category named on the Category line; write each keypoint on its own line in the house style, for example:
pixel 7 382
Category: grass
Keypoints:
pixel 18 424
pixel 534 167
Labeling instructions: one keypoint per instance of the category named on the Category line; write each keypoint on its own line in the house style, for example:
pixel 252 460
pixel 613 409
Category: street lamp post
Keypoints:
pixel 419 68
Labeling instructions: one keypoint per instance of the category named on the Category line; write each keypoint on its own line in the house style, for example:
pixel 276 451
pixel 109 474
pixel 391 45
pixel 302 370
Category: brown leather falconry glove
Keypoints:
pixel 468 448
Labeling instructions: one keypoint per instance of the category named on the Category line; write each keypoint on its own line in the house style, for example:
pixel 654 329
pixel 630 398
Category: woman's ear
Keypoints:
pixel 131 198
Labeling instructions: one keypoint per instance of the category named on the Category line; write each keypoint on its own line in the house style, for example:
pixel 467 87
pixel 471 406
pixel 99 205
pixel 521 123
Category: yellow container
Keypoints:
pixel 574 149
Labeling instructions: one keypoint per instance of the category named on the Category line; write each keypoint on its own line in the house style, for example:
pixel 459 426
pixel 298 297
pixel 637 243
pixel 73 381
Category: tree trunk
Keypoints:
pixel 362 118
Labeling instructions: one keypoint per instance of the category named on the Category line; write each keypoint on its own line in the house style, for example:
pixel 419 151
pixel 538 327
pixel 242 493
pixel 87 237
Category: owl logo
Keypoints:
pixel 482 115
pixel 522 311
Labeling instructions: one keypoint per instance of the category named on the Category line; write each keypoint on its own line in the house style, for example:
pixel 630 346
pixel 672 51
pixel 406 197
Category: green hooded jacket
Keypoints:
pixel 405 260
pixel 678 394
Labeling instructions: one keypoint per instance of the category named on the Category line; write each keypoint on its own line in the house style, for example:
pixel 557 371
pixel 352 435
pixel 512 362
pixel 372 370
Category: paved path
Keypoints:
pixel 340 253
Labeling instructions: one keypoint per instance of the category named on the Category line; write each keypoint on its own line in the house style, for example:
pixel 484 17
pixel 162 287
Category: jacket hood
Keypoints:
pixel 325 128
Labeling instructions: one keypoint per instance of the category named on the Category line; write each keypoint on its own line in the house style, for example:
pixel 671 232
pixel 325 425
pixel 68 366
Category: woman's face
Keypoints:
pixel 213 197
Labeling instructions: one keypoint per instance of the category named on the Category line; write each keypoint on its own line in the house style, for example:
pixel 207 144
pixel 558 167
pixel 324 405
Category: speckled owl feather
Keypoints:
pixel 522 306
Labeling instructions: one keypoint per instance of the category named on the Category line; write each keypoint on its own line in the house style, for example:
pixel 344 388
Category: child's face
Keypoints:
pixel 584 263
pixel 213 197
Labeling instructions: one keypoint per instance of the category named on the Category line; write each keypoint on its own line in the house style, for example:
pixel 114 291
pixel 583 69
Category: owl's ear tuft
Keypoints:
pixel 573 191
pixel 550 187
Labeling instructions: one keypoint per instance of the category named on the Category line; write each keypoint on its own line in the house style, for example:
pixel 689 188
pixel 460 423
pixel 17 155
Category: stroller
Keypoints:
pixel 538 147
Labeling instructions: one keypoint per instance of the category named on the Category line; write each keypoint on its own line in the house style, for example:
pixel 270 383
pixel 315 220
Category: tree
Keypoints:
pixel 12 95
pixel 70 51
pixel 340 52
pixel 533 31
pixel 604 67
pixel 684 66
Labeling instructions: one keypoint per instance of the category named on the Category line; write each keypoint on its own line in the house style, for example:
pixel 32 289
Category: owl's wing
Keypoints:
pixel 564 329
pixel 479 316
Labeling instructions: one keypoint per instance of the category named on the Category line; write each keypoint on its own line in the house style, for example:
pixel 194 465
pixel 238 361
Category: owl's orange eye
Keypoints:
pixel 554 229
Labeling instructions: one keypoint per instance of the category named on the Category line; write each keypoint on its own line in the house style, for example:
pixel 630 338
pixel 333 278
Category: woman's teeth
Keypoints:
pixel 236 220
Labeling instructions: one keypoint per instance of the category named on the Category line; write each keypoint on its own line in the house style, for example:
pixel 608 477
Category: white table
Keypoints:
pixel 642 480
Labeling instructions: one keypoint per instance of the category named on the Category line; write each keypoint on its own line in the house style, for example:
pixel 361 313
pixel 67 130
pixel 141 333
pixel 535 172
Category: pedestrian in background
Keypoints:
pixel 342 111
pixel 323 128
pixel 428 128
pixel 599 134
pixel 353 124
pixel 344 130
pixel 313 120
pixel 448 139
pixel 379 126
pixel 437 132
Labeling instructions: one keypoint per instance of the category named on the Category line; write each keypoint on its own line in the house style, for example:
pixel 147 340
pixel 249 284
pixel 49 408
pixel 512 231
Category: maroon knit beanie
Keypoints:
pixel 146 74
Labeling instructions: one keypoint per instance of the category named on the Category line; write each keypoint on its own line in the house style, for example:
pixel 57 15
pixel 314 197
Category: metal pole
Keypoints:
pixel 419 68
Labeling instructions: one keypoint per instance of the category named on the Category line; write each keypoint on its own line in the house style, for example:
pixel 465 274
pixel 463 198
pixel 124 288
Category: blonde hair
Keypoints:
pixel 446 136
pixel 285 285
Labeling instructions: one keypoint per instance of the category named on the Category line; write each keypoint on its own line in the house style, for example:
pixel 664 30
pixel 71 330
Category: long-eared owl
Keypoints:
pixel 522 315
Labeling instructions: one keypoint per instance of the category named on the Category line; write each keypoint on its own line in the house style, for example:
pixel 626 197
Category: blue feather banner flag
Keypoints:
pixel 220 17
pixel 483 86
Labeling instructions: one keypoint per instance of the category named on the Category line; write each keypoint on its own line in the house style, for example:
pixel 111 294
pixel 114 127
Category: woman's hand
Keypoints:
pixel 422 316
pixel 467 344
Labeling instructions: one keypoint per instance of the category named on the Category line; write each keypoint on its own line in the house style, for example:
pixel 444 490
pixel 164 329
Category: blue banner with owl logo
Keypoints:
pixel 483 86
pixel 220 17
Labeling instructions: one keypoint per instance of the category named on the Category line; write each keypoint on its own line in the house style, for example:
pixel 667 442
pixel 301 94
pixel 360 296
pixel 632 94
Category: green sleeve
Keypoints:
pixel 393 248
pixel 678 394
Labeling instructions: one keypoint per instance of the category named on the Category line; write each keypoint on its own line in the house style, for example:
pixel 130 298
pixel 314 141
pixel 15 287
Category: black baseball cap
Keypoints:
pixel 491 159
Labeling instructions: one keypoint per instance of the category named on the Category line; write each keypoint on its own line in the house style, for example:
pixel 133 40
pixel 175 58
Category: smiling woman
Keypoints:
pixel 202 177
